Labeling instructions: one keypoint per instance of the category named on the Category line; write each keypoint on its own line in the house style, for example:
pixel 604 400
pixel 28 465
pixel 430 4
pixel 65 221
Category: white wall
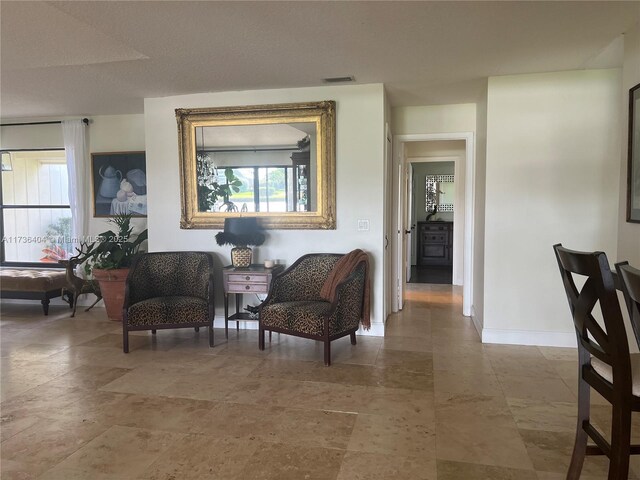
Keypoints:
pixel 628 233
pixel 359 173
pixel 35 137
pixel 434 119
pixel 552 175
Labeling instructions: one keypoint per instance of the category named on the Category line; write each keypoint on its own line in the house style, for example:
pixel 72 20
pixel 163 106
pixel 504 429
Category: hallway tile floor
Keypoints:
pixel 428 401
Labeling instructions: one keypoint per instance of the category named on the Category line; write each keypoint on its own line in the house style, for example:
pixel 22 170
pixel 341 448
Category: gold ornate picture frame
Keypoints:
pixel 215 133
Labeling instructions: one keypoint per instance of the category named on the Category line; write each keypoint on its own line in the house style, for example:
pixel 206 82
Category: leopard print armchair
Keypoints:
pixel 169 290
pixel 294 305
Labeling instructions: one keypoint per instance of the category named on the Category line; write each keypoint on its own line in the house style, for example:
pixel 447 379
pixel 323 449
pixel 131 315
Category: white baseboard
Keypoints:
pixel 476 320
pixel 377 330
pixel 528 337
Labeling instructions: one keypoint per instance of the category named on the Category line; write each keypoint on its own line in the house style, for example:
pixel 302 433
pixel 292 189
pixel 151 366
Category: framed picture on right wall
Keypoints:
pixel 633 170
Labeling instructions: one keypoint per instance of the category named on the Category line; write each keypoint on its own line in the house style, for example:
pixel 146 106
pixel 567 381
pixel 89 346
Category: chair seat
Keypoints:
pixel 167 310
pixel 301 316
pixel 605 372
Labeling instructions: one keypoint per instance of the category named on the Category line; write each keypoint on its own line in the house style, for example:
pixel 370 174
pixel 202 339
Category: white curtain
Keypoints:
pixel 75 147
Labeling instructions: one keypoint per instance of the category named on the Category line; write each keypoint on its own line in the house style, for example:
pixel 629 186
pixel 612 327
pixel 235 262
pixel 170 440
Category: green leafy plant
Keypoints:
pixel 113 249
pixel 209 190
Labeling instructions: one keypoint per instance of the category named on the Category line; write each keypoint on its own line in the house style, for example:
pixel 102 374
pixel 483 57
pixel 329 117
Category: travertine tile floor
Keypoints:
pixel 427 401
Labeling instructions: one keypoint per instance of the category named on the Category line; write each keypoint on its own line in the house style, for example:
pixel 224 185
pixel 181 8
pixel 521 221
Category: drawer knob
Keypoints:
pixel 247 287
pixel 247 277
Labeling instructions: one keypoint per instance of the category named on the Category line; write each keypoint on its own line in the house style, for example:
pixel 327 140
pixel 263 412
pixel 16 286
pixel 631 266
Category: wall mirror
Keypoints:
pixel 275 162
pixel 440 191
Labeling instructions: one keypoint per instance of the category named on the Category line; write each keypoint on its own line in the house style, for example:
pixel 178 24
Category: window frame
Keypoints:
pixel 256 180
pixel 3 207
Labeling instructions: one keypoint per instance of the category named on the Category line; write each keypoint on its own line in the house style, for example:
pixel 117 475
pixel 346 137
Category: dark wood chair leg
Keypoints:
pixel 226 315
pixel 620 441
pixel 580 445
pixel 197 329
pixel 125 340
pixel 353 338
pixel 327 353
pixel 210 336
pixel 45 305
pixel 261 337
pixel 153 332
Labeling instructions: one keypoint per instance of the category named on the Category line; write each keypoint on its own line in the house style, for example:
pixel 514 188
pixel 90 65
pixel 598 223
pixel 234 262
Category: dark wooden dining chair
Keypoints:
pixel 605 363
pixel 629 279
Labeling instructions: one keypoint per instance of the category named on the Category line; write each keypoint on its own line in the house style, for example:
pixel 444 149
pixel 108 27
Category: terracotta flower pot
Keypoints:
pixel 112 284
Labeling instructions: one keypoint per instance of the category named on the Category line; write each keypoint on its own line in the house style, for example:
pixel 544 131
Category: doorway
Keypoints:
pixel 432 207
pixel 404 155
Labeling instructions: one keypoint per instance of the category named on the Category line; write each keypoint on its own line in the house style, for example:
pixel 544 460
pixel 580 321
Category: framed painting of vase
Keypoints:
pixel 119 184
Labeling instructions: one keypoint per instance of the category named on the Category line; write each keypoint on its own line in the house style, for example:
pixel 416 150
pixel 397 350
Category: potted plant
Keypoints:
pixel 210 190
pixel 108 260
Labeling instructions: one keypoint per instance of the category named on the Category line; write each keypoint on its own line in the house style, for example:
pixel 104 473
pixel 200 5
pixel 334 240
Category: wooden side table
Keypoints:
pixel 253 279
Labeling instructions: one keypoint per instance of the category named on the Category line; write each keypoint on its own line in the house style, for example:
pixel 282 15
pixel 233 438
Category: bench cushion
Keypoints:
pixel 28 280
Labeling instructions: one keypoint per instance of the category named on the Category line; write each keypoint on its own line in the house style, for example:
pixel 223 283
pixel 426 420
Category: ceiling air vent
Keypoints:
pixel 349 78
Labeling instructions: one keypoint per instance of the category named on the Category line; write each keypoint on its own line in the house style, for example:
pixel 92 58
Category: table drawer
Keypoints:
pixel 440 238
pixel 247 278
pixel 247 287
pixel 434 228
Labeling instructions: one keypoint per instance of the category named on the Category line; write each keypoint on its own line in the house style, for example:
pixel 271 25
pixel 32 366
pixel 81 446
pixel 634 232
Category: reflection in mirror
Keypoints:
pixel 274 162
pixel 440 190
pixel 257 168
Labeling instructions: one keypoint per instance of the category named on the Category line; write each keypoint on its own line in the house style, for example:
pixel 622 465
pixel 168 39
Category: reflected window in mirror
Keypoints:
pixel 260 189
pixel 255 168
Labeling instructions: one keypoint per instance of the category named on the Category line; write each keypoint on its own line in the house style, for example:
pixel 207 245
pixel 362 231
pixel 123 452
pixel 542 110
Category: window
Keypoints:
pixel 35 216
pixel 264 189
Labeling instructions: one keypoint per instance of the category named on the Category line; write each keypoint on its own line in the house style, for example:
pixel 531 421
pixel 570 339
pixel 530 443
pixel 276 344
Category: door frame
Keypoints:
pixel 388 297
pixel 401 201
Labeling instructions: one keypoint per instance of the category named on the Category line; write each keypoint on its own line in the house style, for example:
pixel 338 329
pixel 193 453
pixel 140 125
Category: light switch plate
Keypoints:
pixel 363 225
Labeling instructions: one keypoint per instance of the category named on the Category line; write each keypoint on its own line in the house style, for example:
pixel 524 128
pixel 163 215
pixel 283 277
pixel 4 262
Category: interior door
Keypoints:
pixel 399 227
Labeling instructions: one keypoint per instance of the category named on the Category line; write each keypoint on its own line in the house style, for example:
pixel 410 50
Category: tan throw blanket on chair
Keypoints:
pixel 341 270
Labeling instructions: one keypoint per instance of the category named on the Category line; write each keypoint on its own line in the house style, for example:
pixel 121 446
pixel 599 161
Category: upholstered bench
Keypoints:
pixel 32 284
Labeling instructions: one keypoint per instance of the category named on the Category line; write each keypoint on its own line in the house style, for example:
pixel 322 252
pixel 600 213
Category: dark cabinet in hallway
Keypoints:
pixel 435 243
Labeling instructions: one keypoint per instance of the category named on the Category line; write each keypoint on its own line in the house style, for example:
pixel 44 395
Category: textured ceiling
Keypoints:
pixel 95 57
